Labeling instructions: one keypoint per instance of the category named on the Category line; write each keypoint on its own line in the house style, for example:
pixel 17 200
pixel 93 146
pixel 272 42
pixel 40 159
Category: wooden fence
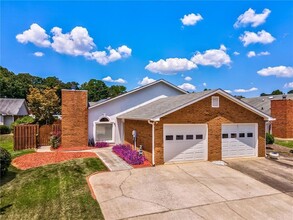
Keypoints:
pixel 32 136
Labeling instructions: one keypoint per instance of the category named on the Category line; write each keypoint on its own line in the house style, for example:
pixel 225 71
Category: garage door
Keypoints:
pixel 239 140
pixel 185 142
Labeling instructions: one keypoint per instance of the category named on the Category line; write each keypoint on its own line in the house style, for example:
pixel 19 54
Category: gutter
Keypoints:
pixel 152 122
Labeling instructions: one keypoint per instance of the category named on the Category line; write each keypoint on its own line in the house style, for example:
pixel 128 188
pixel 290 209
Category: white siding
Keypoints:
pixel 125 103
pixel 23 110
pixel 8 120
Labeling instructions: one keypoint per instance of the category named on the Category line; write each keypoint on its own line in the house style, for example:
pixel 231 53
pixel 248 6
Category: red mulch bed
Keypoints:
pixel 40 159
pixel 73 148
pixel 146 163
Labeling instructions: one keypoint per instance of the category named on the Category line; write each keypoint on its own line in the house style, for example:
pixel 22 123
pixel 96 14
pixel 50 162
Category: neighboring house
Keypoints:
pixel 11 109
pixel 103 122
pixel 279 107
pixel 170 125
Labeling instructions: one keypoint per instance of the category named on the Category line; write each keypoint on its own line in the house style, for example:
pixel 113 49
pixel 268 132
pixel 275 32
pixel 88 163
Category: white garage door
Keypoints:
pixel 239 140
pixel 185 142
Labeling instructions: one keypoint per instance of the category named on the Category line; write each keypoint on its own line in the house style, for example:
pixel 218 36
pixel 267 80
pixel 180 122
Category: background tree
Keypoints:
pixel 43 104
pixel 275 92
pixel 290 92
pixel 97 90
pixel 116 90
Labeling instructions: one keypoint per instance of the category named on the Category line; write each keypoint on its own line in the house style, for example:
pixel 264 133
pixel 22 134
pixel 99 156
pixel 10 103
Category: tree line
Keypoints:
pixel 18 85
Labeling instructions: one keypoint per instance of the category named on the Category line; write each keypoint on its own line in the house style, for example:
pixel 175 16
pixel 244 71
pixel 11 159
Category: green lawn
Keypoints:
pixel 284 143
pixel 57 191
pixel 6 141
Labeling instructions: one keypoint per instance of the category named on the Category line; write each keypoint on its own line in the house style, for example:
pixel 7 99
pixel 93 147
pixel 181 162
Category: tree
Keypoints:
pixel 97 90
pixel 290 92
pixel 116 90
pixel 43 104
pixel 277 92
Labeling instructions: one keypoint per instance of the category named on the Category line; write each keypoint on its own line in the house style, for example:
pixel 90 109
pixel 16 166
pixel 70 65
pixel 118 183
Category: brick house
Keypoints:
pixel 170 124
pixel 279 107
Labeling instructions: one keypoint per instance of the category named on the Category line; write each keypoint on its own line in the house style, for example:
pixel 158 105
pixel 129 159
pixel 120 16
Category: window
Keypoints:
pixel 249 135
pixel 179 137
pixel 198 136
pixel 104 119
pixel 189 137
pixel 233 135
pixel 215 101
pixel 241 135
pixel 224 135
pixel 169 137
pixel 104 132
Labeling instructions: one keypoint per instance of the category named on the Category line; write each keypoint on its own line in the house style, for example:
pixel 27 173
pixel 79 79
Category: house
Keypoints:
pixel 279 107
pixel 169 124
pixel 11 109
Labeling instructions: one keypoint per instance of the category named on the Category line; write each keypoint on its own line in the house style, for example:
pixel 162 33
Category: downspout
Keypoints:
pixel 153 141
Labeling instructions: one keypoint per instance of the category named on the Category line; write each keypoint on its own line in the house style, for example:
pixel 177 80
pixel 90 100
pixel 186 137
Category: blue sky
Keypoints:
pixel 243 47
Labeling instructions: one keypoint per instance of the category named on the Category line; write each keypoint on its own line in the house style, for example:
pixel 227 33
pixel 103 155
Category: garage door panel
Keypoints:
pixel 189 148
pixel 239 140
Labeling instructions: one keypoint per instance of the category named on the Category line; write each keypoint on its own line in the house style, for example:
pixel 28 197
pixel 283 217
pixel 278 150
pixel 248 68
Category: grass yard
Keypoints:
pixel 6 141
pixel 57 191
pixel 284 143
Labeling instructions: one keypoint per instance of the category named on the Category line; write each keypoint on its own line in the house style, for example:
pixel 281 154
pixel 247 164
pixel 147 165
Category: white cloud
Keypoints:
pixel 213 57
pixel 263 53
pixel 36 35
pixel 262 37
pixel 204 84
pixel 103 57
pixel 246 90
pixel 251 54
pixel 278 71
pixel 39 54
pixel 188 78
pixel 76 43
pixel 170 66
pixel 187 87
pixel 250 17
pixel 236 53
pixel 109 79
pixel 146 80
pixel 288 85
pixel 228 91
pixel 191 19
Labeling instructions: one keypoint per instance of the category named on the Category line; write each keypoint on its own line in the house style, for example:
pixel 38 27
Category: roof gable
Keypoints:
pixel 93 105
pixel 12 106
pixel 162 107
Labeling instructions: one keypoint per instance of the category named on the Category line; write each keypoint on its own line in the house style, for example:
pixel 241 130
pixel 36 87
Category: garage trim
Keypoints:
pixel 206 140
pixel 256 135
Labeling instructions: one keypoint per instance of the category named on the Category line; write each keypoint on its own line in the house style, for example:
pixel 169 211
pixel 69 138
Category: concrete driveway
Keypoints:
pixel 275 173
pixel 200 190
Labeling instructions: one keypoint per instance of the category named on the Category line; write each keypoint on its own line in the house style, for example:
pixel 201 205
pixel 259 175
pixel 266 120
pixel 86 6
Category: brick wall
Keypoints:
pixel 74 118
pixel 198 113
pixel 282 111
pixel 144 135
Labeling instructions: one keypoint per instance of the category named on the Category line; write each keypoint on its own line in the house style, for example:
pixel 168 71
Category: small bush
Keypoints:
pixel 5 160
pixel 101 144
pixel 4 129
pixel 55 139
pixel 130 156
pixel 269 138
pixel 24 120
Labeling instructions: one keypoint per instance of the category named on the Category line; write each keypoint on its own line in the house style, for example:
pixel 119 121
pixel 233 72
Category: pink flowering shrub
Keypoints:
pixel 130 156
pixel 101 144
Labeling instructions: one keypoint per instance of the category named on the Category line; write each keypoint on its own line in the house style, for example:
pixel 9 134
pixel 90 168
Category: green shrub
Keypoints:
pixel 5 160
pixel 24 120
pixel 4 129
pixel 269 138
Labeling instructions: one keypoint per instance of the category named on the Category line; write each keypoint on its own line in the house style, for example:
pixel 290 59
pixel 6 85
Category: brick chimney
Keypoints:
pixel 74 118
pixel 282 111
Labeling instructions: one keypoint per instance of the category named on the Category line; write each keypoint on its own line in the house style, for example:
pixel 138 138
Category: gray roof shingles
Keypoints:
pixel 10 106
pixel 263 103
pixel 162 106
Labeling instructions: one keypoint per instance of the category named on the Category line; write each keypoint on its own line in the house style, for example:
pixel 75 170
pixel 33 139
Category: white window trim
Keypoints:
pixel 104 122
pixel 218 100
